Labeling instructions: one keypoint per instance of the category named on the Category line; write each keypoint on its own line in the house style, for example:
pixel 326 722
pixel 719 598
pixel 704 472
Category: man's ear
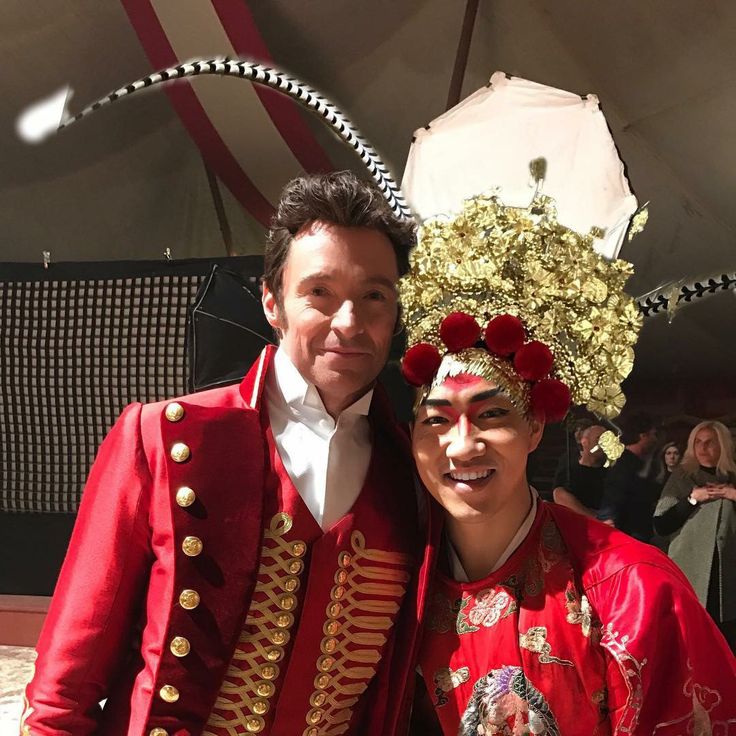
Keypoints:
pixel 271 308
pixel 536 430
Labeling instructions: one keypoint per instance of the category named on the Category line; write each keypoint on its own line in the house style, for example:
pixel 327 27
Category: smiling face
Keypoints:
pixel 338 309
pixel 471 446
pixel 706 447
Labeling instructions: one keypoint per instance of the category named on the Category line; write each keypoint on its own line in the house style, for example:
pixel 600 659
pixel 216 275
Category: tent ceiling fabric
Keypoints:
pixel 129 182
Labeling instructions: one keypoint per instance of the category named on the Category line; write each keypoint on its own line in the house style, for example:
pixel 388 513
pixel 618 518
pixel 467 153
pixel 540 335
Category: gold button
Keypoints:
pixel 338 592
pixel 260 707
pixel 329 645
pixel 341 577
pixel 192 546
pixel 180 452
pixel 287 602
pixel 291 584
pixel 254 724
pixel 265 689
pixel 295 566
pixel 312 731
pixel 279 637
pixel 174 411
pixel 331 627
pixel 318 699
pixel 180 646
pixel 334 609
pixel 189 599
pixel 269 672
pixel 345 559
pixel 158 732
pixel 321 681
pixel 185 496
pixel 315 716
pixel 325 663
pixel 298 549
pixel 274 654
pixel 169 693
pixel 284 620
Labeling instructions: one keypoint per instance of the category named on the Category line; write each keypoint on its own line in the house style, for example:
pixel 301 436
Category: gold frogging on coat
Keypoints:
pixel 244 697
pixel 369 587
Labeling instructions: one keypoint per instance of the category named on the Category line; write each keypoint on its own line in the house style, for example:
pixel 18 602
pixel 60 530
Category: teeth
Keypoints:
pixel 456 475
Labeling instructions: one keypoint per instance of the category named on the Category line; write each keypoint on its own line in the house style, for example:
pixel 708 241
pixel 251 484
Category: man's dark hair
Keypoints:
pixel 635 425
pixel 340 198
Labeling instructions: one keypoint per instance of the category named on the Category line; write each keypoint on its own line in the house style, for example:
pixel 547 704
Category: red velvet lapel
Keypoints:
pixel 226 471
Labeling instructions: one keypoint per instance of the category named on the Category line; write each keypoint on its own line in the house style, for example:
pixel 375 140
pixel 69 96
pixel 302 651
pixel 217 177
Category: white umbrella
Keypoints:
pixel 487 142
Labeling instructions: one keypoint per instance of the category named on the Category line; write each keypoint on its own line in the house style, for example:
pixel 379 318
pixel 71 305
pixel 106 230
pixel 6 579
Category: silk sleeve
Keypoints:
pixel 669 670
pixel 97 600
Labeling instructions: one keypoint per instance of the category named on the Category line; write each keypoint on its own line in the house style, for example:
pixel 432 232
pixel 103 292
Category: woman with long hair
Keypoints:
pixel 698 507
pixel 668 459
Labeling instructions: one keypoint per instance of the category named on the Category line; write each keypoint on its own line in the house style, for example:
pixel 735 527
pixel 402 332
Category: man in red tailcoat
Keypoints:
pixel 241 555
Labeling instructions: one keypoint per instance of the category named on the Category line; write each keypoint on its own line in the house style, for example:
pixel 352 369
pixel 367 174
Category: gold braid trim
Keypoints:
pixel 369 587
pixel 249 682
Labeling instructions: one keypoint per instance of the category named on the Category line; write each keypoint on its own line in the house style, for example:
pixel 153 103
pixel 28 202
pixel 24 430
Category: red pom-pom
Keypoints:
pixel 420 363
pixel 550 400
pixel 459 331
pixel 504 334
pixel 533 361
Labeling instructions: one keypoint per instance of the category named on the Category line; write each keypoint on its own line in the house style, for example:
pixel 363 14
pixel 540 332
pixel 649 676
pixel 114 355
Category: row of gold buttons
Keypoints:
pixel 329 643
pixel 191 546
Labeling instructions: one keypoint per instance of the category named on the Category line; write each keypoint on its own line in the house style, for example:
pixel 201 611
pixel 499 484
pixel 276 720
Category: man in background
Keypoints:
pixel 629 496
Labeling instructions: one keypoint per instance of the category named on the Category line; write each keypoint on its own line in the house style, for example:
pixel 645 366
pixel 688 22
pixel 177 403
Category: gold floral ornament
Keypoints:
pixel 493 260
pixel 611 446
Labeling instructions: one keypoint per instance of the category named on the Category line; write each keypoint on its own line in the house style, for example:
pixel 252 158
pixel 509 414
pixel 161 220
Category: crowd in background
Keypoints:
pixel 682 500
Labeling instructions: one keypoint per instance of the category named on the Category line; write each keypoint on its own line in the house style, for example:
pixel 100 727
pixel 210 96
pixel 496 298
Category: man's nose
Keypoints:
pixel 346 320
pixel 465 444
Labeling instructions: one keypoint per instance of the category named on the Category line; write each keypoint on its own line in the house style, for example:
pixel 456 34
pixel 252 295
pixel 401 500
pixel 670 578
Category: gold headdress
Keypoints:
pixel 493 260
pixel 504 287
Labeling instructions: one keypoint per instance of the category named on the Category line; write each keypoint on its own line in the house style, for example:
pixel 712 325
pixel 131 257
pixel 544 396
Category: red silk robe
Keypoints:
pixel 165 574
pixel 582 631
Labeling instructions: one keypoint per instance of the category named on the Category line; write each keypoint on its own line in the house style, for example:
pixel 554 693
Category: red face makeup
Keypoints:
pixel 471 445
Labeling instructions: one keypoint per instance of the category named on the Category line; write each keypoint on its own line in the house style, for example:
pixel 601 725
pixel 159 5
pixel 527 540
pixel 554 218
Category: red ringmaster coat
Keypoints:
pixel 117 603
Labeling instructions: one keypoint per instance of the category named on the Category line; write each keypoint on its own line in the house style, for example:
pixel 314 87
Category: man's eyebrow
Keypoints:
pixel 436 402
pixel 483 395
pixel 326 276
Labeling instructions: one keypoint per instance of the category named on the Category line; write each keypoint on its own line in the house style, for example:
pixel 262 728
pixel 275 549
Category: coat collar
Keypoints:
pixel 251 387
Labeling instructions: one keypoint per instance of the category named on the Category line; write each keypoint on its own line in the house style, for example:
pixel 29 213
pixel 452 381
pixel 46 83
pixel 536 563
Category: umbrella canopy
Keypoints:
pixel 488 141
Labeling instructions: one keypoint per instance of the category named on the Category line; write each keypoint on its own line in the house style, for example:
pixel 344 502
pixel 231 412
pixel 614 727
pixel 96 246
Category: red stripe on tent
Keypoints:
pixel 245 38
pixel 193 115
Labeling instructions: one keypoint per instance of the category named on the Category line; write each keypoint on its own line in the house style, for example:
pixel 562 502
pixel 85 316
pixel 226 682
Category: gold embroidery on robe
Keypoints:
pixel 446 679
pixel 535 640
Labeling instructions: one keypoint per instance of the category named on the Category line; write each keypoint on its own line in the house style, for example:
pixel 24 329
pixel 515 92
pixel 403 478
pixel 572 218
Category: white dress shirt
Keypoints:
pixel 326 460
pixel 458 572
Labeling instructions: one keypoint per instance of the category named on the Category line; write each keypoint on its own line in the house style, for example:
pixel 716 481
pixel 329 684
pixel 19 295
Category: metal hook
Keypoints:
pixel 167 254
pixel 46 255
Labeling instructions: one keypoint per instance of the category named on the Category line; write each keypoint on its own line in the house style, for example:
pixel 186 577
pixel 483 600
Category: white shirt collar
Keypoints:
pixel 299 394
pixel 458 572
